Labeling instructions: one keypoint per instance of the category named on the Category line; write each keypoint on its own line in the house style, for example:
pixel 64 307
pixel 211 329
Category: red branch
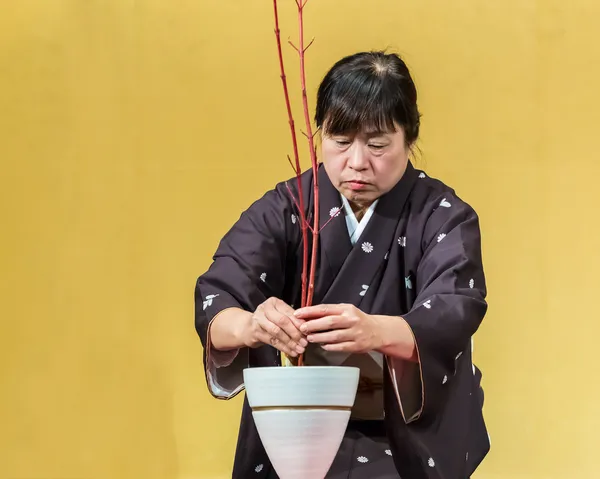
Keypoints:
pixel 297 168
pixel 308 286
pixel 308 226
pixel 313 152
pixel 327 222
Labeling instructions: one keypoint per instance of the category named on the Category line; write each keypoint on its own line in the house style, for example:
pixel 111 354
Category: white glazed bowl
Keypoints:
pixel 301 444
pixel 301 386
pixel 301 414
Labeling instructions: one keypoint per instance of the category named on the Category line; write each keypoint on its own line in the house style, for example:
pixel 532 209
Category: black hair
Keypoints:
pixel 368 91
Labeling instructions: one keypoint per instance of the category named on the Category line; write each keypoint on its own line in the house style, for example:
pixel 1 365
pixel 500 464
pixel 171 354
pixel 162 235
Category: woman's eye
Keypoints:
pixel 377 147
pixel 342 142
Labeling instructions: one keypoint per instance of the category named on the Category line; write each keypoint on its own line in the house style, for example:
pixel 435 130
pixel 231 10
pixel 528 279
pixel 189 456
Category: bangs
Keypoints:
pixel 368 92
pixel 367 103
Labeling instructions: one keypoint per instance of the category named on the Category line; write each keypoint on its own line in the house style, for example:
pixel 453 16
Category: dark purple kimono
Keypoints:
pixel 420 256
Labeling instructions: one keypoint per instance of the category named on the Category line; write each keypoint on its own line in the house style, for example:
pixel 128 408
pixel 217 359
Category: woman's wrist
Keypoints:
pixel 395 337
pixel 243 331
pixel 230 329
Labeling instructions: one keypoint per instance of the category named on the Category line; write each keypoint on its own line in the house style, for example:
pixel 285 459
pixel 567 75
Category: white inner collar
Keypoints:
pixel 355 228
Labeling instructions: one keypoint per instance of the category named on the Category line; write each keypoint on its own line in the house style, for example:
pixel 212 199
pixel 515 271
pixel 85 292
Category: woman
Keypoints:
pixel 399 292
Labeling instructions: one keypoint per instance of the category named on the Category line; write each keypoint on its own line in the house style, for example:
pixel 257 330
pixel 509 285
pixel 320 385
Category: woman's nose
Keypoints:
pixel 358 159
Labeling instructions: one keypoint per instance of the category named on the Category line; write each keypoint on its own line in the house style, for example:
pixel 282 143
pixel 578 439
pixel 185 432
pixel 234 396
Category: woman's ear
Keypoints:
pixel 414 152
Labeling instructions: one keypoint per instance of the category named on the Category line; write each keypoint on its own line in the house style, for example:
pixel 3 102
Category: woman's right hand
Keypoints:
pixel 274 323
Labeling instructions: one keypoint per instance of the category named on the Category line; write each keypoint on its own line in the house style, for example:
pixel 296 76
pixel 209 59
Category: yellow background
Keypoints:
pixel 133 133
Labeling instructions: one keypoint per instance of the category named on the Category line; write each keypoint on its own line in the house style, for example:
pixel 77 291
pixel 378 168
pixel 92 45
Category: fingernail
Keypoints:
pixel 300 349
pixel 303 342
pixel 293 354
pixel 303 328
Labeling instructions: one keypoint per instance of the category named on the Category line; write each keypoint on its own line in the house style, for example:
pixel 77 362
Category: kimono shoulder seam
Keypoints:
pixel 437 190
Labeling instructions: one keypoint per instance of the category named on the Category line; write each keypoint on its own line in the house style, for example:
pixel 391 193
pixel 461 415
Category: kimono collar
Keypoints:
pixel 338 256
pixel 355 227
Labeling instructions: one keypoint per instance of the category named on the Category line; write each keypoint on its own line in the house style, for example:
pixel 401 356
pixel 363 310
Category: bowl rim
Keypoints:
pixel 301 367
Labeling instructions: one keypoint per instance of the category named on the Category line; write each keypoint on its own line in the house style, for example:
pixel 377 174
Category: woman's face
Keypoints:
pixel 364 166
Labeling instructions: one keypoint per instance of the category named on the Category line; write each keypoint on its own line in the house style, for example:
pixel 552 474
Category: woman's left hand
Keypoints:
pixel 340 327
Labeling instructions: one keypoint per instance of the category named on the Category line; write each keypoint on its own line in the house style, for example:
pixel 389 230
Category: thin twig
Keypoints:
pixel 327 222
pixel 308 46
pixel 291 164
pixel 306 224
pixel 294 46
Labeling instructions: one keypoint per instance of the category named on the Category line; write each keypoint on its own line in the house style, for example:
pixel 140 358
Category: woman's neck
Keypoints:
pixel 359 210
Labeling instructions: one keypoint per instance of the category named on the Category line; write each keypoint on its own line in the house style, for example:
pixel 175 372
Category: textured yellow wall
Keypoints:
pixel 132 134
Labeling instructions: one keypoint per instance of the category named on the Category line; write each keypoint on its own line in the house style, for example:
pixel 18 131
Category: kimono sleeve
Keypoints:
pixel 450 303
pixel 247 268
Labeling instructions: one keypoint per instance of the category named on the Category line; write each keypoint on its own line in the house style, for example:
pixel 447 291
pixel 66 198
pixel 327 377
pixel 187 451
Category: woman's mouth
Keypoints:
pixel 357 185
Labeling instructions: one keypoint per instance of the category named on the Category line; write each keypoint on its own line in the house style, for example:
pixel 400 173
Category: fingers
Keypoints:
pixel 283 329
pixel 332 337
pixel 283 307
pixel 265 338
pixel 321 310
pixel 348 347
pixel 275 336
pixel 289 323
pixel 327 323
pixel 330 325
pixel 280 331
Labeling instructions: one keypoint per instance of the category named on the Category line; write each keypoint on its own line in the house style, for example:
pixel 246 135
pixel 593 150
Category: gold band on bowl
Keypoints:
pixel 300 408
